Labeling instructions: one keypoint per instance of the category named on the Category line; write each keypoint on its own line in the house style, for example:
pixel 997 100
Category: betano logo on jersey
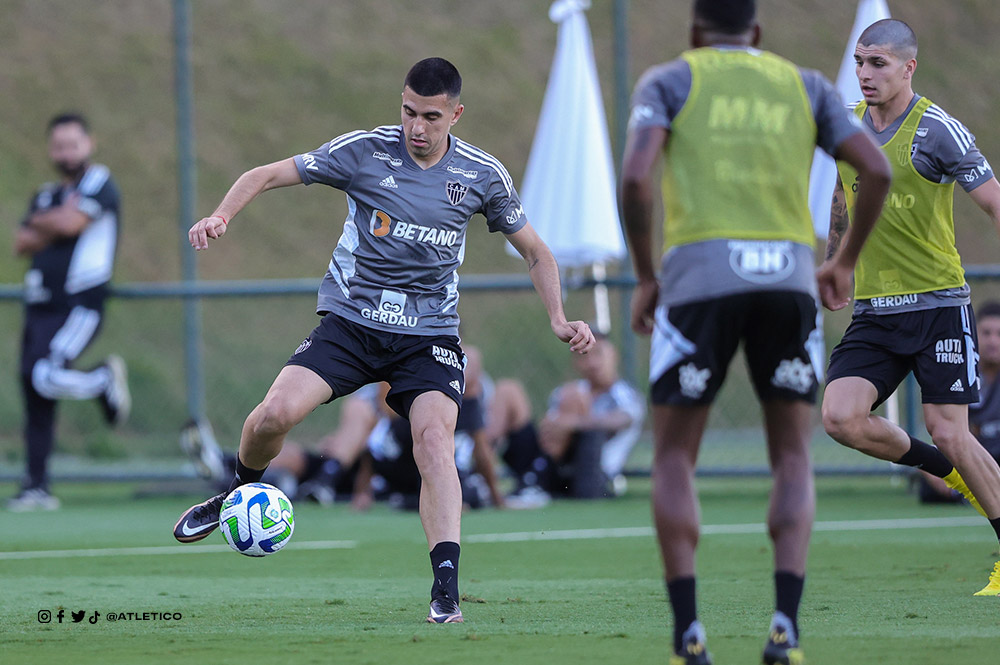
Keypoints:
pixel 382 225
pixel 390 311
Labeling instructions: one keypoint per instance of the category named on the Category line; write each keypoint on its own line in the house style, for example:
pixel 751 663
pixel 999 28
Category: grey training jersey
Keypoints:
pixel 395 267
pixel 720 267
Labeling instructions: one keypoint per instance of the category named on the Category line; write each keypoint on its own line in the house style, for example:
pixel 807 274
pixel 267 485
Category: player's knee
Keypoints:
pixel 843 426
pixel 272 417
pixel 433 447
pixel 951 439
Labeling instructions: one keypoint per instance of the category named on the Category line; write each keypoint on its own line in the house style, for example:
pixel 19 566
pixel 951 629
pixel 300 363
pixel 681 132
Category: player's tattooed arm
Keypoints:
pixel 838 220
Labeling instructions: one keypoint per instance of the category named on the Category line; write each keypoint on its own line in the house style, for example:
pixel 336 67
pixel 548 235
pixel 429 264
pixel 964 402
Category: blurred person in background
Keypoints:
pixel 738 128
pixel 586 435
pixel 70 232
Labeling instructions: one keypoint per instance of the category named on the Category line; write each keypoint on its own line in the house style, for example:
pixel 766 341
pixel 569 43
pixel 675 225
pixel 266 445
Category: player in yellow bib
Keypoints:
pixel 738 128
pixel 912 309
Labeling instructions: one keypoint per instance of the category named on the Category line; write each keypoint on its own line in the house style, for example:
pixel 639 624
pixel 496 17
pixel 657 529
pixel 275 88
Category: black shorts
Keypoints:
pixel 75 329
pixel 694 343
pixel 348 355
pixel 937 345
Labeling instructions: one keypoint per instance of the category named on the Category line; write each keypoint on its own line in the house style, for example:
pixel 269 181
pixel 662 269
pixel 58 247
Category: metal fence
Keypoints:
pixel 249 328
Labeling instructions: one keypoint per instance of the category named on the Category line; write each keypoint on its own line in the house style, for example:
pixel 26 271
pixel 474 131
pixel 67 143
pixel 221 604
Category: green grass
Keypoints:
pixel 888 596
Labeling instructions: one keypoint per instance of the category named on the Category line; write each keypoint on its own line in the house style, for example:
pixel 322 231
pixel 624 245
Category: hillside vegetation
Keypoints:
pixel 273 79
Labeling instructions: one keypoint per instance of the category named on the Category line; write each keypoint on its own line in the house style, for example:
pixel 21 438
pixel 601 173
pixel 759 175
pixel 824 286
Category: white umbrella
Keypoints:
pixel 569 182
pixel 823 177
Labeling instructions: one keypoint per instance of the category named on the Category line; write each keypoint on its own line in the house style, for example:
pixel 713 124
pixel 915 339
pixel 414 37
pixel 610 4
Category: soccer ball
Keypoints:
pixel 256 519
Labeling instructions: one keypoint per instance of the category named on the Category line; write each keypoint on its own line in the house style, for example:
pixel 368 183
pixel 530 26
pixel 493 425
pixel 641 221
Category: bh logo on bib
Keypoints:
pixel 761 262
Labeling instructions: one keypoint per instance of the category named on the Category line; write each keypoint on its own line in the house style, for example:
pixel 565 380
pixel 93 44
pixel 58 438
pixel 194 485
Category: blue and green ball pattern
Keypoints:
pixel 257 519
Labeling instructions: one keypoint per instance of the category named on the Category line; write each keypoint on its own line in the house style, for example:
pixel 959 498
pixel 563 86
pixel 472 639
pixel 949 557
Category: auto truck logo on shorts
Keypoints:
pixel 390 310
pixel 761 262
pixel 949 351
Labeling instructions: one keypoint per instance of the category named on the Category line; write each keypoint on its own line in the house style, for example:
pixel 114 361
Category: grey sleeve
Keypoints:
pixel 501 204
pixel 660 94
pixel 334 163
pixel 834 122
pixel 947 151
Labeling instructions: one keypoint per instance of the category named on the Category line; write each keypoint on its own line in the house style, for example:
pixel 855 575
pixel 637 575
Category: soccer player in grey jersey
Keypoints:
pixel 389 298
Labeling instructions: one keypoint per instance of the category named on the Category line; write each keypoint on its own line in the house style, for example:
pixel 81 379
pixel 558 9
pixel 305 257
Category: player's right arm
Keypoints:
pixel 246 188
pixel 839 219
pixel 643 150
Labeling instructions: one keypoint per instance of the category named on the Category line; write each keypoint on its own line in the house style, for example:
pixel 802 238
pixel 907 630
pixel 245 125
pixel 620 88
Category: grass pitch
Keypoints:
pixel 889 582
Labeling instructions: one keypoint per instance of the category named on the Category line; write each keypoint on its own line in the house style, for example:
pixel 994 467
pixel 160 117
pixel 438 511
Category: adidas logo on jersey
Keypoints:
pixel 456 385
pixel 957 387
pixel 389 182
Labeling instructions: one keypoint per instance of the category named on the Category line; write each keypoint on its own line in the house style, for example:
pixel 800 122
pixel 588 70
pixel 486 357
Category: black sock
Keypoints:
pixel 788 594
pixel 927 457
pixel 245 474
pixel 682 601
pixel 444 562
pixel 996 526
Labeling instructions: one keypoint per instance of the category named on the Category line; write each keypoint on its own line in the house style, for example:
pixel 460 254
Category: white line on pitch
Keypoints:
pixel 168 550
pixel 718 529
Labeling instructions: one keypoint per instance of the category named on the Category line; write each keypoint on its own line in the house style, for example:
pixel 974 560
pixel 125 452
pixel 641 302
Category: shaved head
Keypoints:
pixel 895 35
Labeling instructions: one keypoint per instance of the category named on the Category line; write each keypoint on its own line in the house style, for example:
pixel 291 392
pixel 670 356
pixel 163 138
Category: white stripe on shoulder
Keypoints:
pixel 351 137
pixel 93 179
pixel 957 130
pixel 853 105
pixel 390 131
pixel 477 155
pixel 469 148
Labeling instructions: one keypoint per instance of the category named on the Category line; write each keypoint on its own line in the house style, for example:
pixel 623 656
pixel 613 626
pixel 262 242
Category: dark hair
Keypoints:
pixel 434 76
pixel 898 36
pixel 988 308
pixel 731 17
pixel 69 118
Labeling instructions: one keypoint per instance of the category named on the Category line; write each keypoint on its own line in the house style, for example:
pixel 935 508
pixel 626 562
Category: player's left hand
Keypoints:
pixel 834 282
pixel 576 333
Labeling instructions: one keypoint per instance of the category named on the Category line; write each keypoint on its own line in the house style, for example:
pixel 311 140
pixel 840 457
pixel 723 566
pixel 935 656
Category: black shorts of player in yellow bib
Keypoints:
pixel 694 343
pixel 938 345
pixel 348 355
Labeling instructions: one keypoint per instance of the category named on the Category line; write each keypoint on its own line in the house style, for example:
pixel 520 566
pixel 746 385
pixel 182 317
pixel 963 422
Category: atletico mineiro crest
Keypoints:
pixel 456 191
